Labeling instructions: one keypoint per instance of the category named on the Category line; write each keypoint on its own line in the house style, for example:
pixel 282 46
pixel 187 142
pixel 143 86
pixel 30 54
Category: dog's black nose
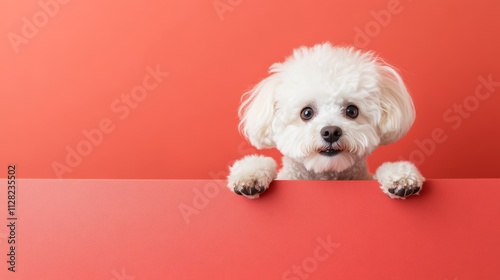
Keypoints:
pixel 331 133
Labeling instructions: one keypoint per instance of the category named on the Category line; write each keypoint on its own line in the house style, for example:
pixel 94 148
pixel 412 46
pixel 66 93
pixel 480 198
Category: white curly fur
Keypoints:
pixel 327 79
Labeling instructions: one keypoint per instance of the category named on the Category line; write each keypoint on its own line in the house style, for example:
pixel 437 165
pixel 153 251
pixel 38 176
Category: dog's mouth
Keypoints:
pixel 329 151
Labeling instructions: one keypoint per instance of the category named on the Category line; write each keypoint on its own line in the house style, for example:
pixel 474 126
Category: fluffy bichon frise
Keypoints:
pixel 326 109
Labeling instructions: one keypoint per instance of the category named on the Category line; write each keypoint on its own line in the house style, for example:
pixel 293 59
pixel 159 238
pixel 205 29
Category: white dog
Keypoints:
pixel 326 109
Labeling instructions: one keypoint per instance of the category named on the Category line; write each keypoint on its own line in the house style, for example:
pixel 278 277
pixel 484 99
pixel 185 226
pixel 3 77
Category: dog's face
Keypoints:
pixel 327 107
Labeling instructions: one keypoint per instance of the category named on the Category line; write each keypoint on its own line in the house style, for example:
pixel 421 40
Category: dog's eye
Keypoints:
pixel 307 113
pixel 352 111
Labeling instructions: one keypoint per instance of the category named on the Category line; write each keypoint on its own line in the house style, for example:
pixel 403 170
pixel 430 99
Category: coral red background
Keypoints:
pixel 182 229
pixel 64 66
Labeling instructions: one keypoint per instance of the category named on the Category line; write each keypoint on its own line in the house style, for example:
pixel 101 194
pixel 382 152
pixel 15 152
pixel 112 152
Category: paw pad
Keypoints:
pixel 404 188
pixel 250 189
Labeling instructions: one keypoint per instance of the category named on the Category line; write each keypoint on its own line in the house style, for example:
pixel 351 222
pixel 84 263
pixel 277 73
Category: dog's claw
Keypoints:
pixel 401 192
pixel 413 190
pixel 250 190
pixel 246 191
pixel 404 190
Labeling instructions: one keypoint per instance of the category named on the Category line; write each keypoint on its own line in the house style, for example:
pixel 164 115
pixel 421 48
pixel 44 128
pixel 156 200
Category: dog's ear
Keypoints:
pixel 257 112
pixel 398 112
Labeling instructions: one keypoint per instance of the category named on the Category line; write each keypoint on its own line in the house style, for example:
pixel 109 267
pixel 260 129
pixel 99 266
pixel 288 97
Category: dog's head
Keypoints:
pixel 327 107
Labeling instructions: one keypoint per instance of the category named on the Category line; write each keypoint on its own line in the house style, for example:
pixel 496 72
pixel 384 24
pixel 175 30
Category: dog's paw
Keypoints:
pixel 399 179
pixel 251 175
pixel 403 188
pixel 250 189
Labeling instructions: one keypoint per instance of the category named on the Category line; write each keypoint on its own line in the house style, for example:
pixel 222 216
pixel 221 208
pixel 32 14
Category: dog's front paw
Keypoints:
pixel 250 189
pixel 399 179
pixel 251 175
pixel 403 188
